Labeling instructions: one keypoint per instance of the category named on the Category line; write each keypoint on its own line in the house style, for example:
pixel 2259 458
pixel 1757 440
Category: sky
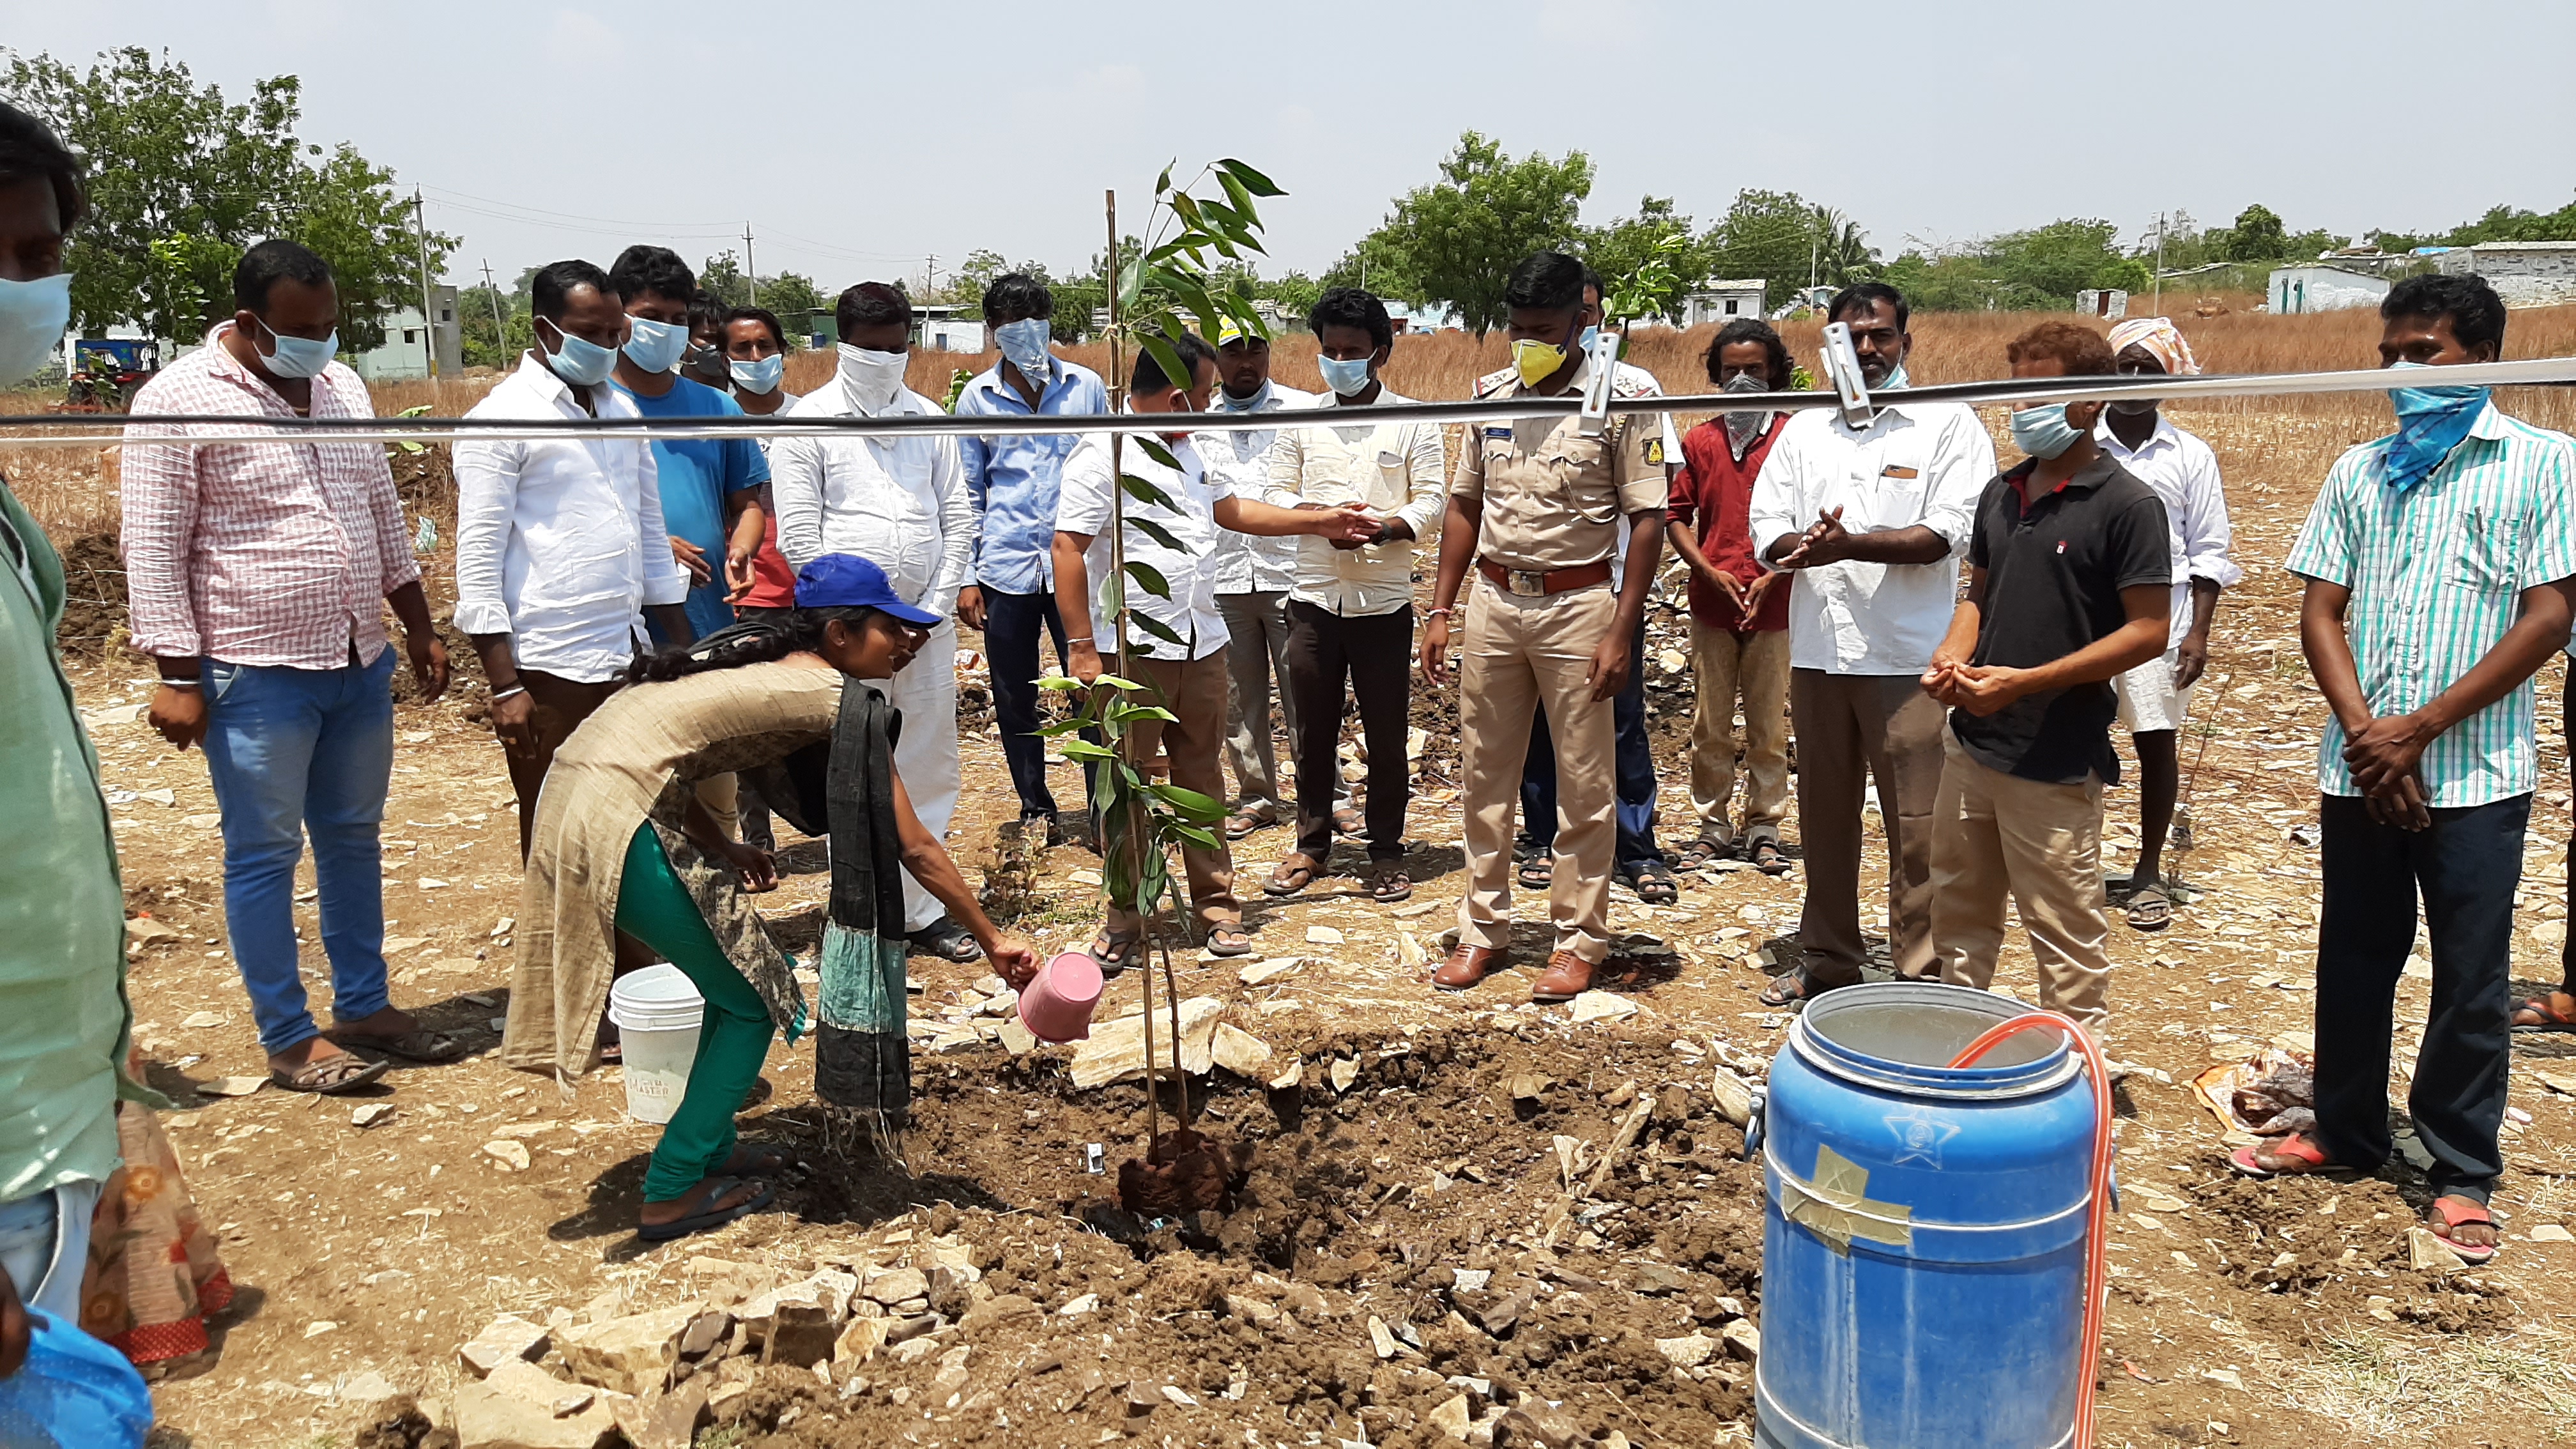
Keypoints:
pixel 861 141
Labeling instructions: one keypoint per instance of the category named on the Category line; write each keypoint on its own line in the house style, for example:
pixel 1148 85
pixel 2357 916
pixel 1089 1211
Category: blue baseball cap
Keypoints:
pixel 847 581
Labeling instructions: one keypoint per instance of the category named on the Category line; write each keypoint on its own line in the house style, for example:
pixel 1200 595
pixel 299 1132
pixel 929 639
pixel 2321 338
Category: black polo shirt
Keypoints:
pixel 2054 571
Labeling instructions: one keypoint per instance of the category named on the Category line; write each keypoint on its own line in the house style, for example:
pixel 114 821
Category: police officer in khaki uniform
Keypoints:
pixel 1534 510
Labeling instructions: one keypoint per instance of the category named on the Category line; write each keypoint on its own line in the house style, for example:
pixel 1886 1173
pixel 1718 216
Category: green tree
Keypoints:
pixel 1378 265
pixel 484 346
pixel 2046 266
pixel 1777 236
pixel 721 277
pixel 179 176
pixel 1461 235
pixel 2258 236
pixel 1649 261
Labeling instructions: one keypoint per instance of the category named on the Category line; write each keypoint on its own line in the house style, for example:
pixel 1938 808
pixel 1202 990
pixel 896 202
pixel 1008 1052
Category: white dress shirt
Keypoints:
pixel 560 542
pixel 1916 463
pixel 2183 471
pixel 1082 506
pixel 1400 470
pixel 899 502
pixel 1251 563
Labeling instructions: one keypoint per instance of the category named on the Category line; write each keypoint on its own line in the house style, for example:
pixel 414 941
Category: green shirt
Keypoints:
pixel 63 1015
pixel 2437 574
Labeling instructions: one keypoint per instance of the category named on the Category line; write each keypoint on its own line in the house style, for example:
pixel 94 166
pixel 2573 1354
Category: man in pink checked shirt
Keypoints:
pixel 256 575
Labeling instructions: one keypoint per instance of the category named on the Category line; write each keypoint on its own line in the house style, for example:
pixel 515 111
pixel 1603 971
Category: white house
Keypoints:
pixel 2107 302
pixel 403 356
pixel 1720 301
pixel 2316 287
pixel 2525 274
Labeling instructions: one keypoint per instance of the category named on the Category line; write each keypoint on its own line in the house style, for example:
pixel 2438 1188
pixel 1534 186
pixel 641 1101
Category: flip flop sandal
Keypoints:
pixel 1229 941
pixel 1766 857
pixel 1652 881
pixel 1538 871
pixel 717 1189
pixel 1287 880
pixel 417 1045
pixel 1702 853
pixel 330 1076
pixel 1113 952
pixel 1347 821
pixel 2295 1146
pixel 945 939
pixel 1243 822
pixel 1793 989
pixel 1390 886
pixel 2465 1214
pixel 2150 909
pixel 2544 1017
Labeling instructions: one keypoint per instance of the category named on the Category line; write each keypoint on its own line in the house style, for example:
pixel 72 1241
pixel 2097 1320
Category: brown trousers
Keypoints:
pixel 559 707
pixel 1194 691
pixel 1520 653
pixel 2000 835
pixel 1755 667
pixel 1854 728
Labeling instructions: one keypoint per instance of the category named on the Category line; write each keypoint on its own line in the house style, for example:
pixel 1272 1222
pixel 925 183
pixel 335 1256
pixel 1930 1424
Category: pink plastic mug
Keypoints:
pixel 1059 1000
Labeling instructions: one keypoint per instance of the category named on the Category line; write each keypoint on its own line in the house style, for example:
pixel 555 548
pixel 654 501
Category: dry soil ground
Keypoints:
pixel 1387 1252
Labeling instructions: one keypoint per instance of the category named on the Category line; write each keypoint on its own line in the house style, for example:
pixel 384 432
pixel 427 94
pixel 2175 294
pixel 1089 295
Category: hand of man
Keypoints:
pixel 692 558
pixel 13 1327
pixel 1758 590
pixel 1609 672
pixel 739 575
pixel 1986 689
pixel 2403 805
pixel 428 655
pixel 970 606
pixel 179 714
pixel 1084 663
pixel 1940 678
pixel 1013 959
pixel 1349 523
pixel 2385 752
pixel 1435 649
pixel 2190 658
pixel 754 866
pixel 514 724
pixel 1727 584
pixel 1824 542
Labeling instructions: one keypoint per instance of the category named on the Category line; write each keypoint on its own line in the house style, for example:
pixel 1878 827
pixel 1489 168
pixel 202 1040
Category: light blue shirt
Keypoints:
pixel 1013 480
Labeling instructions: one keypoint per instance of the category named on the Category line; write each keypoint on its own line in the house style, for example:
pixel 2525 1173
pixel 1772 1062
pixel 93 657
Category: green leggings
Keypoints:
pixel 733 1040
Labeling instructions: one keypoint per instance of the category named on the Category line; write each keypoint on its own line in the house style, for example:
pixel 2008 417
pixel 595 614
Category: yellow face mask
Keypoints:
pixel 1536 361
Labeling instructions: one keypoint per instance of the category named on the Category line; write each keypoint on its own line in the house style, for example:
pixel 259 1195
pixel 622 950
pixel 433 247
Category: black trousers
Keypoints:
pixel 1013 624
pixel 1374 653
pixel 2467 867
pixel 1634 761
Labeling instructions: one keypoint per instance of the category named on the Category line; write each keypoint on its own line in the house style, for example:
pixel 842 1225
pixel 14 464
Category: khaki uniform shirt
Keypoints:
pixel 1552 498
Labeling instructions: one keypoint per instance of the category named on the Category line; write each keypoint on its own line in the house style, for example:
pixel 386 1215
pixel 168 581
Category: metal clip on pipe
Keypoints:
pixel 1594 420
pixel 1842 370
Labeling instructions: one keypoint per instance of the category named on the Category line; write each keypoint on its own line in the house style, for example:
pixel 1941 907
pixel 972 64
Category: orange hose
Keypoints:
pixel 2095 1282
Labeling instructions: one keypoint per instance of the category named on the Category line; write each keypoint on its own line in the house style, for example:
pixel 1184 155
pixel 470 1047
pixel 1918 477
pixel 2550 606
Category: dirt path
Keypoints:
pixel 1388 1253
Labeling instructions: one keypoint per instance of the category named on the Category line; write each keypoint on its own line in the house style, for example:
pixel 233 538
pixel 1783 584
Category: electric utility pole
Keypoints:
pixel 428 327
pixel 500 329
pixel 750 273
pixel 2160 264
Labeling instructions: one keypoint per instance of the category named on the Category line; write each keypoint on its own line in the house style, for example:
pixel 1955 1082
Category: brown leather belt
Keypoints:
pixel 1540 584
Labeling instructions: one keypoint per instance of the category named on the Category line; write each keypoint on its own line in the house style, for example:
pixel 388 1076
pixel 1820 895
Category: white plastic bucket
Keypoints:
pixel 657 1012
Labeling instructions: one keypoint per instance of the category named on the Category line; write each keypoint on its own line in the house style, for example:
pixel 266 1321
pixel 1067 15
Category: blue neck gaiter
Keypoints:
pixel 2431 421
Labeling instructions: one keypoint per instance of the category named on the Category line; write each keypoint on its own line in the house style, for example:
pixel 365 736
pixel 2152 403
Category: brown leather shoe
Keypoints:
pixel 1566 977
pixel 1466 966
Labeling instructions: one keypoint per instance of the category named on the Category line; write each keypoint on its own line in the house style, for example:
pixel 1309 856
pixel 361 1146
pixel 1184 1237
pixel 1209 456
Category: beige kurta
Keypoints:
pixel 638 759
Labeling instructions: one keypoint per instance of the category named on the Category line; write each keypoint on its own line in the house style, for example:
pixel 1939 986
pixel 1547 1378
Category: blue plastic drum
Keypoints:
pixel 1923 1240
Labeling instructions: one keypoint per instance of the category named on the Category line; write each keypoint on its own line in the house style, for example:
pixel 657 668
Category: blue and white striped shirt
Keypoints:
pixel 1012 480
pixel 2436 574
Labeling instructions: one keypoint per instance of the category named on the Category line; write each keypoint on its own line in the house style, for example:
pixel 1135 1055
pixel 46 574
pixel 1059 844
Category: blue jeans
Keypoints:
pixel 1635 765
pixel 44 1246
pixel 293 752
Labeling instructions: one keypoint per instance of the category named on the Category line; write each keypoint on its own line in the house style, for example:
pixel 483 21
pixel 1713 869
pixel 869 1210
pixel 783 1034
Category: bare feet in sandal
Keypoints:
pixel 1294 872
pixel 1793 988
pixel 317 1064
pixel 2464 1227
pixel 1229 940
pixel 1390 884
pixel 2551 1011
pixel 1111 951
pixel 2150 909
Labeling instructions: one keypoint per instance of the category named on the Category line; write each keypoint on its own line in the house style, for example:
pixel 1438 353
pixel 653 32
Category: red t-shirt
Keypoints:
pixel 1716 491
pixel 773 583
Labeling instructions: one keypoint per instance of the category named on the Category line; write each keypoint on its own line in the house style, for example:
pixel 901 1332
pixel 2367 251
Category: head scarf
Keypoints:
pixel 2160 337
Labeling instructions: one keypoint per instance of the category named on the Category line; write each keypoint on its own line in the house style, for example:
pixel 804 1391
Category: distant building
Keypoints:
pixel 404 354
pixel 1435 318
pixel 1721 301
pixel 2105 302
pixel 2525 274
pixel 2316 287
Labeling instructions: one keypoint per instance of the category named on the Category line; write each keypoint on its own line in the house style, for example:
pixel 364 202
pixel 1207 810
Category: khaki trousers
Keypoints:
pixel 1195 745
pixel 1519 653
pixel 2040 843
pixel 1727 666
pixel 1853 728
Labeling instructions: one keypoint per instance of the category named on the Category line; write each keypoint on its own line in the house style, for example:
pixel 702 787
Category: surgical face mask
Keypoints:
pixel 1025 343
pixel 1584 343
pixel 872 377
pixel 1536 361
pixel 656 346
pixel 1346 379
pixel 2043 431
pixel 761 375
pixel 578 360
pixel 298 356
pixel 1895 378
pixel 32 318
pixel 1228 402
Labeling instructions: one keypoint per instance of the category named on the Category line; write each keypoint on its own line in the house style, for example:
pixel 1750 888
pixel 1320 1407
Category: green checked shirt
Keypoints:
pixel 2436 574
